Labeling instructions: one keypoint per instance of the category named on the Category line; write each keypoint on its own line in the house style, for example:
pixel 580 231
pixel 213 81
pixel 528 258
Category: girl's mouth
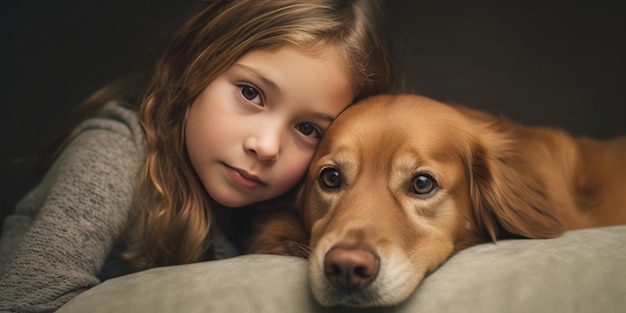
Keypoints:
pixel 243 178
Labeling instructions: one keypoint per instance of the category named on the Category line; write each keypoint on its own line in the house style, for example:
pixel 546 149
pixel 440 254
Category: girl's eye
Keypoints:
pixel 251 94
pixel 309 130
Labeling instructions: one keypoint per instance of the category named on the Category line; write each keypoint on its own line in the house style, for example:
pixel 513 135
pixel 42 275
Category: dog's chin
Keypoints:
pixel 371 296
pixel 392 286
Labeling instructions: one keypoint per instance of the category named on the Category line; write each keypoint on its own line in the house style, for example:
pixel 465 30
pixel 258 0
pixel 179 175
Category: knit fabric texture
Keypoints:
pixel 80 205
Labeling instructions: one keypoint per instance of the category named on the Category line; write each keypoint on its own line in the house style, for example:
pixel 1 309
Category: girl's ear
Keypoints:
pixel 505 192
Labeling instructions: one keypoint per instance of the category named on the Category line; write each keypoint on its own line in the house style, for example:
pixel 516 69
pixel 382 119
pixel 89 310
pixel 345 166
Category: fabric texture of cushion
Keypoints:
pixel 582 271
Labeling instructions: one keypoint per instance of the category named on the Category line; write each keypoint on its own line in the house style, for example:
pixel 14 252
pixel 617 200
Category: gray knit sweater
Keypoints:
pixel 56 243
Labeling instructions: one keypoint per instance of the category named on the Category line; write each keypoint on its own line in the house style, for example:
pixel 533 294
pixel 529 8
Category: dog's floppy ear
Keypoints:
pixel 301 200
pixel 274 227
pixel 506 194
pixel 278 232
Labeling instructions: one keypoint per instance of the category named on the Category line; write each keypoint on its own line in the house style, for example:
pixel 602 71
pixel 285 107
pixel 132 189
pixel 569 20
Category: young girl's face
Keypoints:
pixel 252 132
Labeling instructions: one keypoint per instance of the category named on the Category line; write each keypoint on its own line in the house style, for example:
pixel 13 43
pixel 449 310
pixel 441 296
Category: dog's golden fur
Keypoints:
pixel 490 178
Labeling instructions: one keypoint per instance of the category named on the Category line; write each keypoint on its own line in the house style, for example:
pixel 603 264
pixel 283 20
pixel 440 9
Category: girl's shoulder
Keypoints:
pixel 117 117
pixel 109 143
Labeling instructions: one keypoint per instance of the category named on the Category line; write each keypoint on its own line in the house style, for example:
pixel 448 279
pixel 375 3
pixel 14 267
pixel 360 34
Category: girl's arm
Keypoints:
pixel 76 211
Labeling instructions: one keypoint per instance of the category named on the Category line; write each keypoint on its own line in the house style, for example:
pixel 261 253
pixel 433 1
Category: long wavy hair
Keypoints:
pixel 171 214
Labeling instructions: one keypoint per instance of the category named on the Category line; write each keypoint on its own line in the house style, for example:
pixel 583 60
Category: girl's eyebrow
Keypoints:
pixel 325 117
pixel 268 82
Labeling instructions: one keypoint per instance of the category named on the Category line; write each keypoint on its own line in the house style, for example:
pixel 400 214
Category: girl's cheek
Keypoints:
pixel 300 166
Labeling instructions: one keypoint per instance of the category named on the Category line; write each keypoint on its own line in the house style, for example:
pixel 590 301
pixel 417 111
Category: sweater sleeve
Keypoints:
pixel 62 231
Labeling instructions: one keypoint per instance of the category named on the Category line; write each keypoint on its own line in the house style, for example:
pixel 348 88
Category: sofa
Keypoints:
pixel 582 271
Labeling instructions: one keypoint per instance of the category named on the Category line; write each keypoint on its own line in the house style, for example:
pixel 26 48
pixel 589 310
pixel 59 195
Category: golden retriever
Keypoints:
pixel 399 183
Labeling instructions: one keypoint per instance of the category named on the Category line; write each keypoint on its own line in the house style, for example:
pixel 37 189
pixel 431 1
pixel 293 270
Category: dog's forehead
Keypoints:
pixel 394 118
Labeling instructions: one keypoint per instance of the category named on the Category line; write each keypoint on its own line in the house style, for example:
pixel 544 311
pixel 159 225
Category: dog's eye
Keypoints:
pixel 423 185
pixel 330 178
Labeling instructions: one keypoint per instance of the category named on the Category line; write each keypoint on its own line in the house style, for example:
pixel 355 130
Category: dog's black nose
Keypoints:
pixel 350 269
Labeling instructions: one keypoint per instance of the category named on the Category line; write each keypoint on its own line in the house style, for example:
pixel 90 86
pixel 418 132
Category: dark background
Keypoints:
pixel 554 63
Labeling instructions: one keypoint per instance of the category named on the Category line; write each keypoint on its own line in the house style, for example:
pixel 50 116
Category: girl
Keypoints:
pixel 228 124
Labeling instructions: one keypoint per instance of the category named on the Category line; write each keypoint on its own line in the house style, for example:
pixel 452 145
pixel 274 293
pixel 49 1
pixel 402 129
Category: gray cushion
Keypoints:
pixel 582 271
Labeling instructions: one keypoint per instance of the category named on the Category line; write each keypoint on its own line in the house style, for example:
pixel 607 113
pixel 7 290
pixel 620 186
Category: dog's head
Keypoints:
pixel 397 185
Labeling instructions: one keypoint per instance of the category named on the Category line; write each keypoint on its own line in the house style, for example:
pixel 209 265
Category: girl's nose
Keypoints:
pixel 264 145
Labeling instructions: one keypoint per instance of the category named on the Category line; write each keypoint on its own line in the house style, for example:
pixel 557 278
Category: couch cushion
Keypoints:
pixel 582 271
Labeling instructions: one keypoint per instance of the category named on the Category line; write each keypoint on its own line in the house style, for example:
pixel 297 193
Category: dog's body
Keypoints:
pixel 400 183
